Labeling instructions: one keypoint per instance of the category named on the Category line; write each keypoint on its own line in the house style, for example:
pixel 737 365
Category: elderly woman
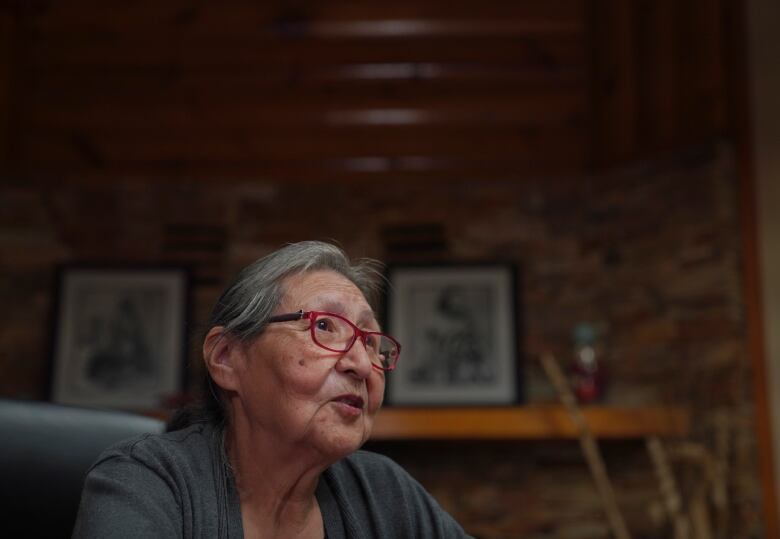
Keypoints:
pixel 296 362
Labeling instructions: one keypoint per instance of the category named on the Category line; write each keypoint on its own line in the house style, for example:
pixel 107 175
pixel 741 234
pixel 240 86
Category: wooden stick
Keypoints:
pixel 669 490
pixel 589 448
pixel 700 514
pixel 720 493
pixel 707 470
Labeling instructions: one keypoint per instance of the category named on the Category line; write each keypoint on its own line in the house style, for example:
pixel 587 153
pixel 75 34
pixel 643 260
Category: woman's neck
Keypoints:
pixel 276 486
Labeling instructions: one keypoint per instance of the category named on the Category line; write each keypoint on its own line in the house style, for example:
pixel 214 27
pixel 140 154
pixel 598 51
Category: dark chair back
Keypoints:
pixel 45 452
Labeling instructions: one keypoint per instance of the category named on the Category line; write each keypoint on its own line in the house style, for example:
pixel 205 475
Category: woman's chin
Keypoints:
pixel 341 441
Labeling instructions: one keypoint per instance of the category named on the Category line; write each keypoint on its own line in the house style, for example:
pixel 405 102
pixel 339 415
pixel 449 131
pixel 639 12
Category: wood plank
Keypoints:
pixel 739 106
pixel 383 134
pixel 700 70
pixel 559 108
pixel 755 339
pixel 7 31
pixel 615 107
pixel 469 25
pixel 257 53
pixel 332 19
pixel 657 79
pixel 356 80
pixel 529 422
pixel 206 145
pixel 540 98
pixel 397 169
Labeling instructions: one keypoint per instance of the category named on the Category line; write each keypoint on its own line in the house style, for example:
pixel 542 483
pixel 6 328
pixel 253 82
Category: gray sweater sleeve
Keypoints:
pixel 124 498
pixel 159 487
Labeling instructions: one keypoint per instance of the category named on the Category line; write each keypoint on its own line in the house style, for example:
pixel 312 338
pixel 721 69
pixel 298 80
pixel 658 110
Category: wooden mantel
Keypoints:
pixel 527 422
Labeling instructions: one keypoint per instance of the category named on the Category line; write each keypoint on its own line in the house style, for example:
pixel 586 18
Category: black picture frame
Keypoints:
pixel 460 334
pixel 119 336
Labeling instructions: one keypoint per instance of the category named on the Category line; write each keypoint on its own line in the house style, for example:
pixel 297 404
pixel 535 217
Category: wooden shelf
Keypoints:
pixel 537 422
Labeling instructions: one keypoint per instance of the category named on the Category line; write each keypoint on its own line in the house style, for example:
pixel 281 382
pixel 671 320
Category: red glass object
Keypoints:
pixel 587 372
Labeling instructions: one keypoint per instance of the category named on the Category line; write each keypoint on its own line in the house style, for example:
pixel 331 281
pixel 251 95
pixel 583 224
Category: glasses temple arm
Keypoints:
pixel 286 317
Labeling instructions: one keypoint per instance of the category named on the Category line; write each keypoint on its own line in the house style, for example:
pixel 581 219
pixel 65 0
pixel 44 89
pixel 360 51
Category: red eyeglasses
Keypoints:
pixel 335 333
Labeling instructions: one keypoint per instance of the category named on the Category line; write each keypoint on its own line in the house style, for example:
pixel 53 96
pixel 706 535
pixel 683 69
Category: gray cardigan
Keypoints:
pixel 178 485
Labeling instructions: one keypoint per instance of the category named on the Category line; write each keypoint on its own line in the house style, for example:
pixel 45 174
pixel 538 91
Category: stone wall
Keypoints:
pixel 649 253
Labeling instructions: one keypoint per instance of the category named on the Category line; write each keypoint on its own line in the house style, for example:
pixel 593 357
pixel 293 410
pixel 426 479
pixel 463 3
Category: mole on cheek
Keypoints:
pixel 301 362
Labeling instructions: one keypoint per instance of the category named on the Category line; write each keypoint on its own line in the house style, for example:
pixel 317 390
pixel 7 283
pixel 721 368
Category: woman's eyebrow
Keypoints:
pixel 335 307
pixel 365 318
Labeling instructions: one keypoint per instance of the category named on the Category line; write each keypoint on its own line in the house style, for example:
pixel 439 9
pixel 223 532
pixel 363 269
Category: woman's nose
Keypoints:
pixel 356 360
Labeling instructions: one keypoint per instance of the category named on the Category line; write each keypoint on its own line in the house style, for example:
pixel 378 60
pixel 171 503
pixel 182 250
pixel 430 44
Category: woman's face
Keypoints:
pixel 300 394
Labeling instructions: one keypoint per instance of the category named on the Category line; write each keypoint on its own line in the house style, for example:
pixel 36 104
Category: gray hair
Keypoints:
pixel 245 306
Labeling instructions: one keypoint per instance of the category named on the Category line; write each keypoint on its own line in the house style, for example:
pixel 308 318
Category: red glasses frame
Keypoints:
pixel 356 333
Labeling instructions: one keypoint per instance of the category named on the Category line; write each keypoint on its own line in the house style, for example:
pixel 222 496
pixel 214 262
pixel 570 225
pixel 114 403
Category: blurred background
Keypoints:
pixel 621 153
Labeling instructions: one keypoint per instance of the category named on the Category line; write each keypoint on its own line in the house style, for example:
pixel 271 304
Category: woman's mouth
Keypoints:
pixel 351 400
pixel 350 404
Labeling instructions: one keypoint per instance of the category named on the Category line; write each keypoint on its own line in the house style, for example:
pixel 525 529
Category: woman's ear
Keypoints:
pixel 223 355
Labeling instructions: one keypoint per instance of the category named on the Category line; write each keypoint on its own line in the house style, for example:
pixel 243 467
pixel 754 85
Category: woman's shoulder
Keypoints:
pixel 163 450
pixel 160 484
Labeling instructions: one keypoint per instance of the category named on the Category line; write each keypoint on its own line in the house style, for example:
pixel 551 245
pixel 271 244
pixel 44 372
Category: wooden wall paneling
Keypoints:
pixel 107 82
pixel 557 108
pixel 353 169
pixel 657 84
pixel 657 76
pixel 347 77
pixel 755 337
pixel 701 70
pixel 739 107
pixel 7 63
pixel 431 93
pixel 613 81
pixel 324 19
pixel 256 52
pixel 282 128
pixel 544 144
pixel 344 169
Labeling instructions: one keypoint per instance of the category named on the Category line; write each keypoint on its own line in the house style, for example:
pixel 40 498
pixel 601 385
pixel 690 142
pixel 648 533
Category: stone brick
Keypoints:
pixel 650 253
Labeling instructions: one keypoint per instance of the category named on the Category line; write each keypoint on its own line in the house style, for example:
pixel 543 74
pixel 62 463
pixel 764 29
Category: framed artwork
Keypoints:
pixel 119 336
pixel 458 328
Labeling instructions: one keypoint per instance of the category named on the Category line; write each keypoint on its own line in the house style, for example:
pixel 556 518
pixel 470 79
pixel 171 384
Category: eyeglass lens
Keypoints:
pixel 338 334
